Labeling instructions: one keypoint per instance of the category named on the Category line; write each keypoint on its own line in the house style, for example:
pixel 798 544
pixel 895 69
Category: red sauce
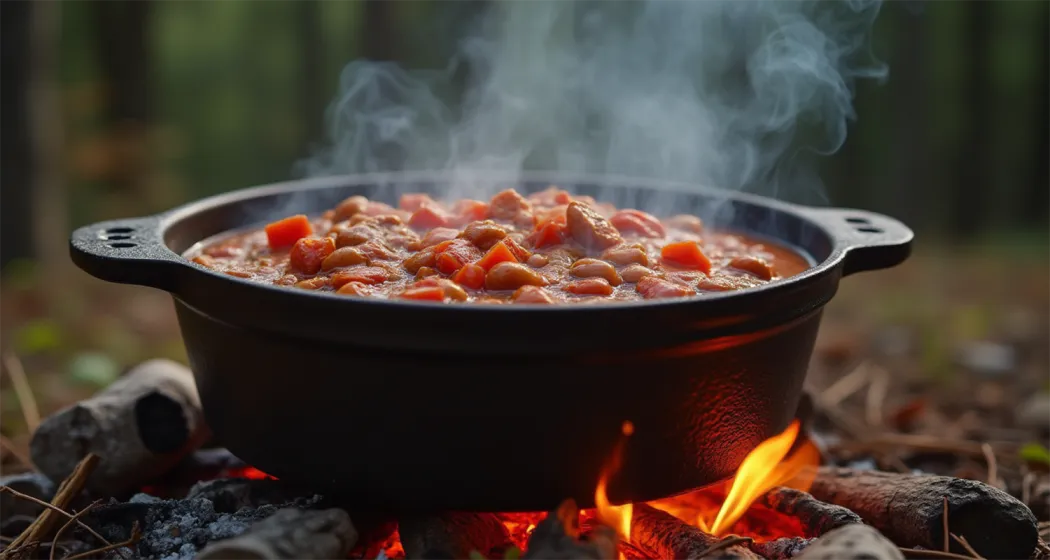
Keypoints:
pixel 548 247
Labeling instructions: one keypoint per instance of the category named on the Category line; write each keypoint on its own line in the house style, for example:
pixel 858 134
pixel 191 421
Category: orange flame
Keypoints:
pixel 617 517
pixel 762 470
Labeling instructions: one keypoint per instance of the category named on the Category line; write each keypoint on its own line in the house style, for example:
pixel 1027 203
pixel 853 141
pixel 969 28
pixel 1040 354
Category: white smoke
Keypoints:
pixel 719 93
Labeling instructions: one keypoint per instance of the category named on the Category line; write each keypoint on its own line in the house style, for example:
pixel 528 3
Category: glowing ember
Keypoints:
pixel 617 517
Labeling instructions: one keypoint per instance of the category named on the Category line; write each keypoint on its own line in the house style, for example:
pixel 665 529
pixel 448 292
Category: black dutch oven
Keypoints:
pixel 415 406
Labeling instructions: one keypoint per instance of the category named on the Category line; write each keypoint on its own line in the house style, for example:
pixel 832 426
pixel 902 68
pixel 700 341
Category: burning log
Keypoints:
pixel 909 510
pixel 663 535
pixel 557 538
pixel 852 542
pixel 781 549
pixel 290 533
pixel 452 535
pixel 140 427
pixel 815 516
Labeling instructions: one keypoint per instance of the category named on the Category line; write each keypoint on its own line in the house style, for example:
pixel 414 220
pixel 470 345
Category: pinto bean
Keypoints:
pixel 483 234
pixel 350 207
pixel 355 235
pixel 511 275
pixel 635 273
pixel 344 256
pixel 590 268
pixel 758 267
pixel 425 271
pixel 590 287
pixel 427 257
pixel 537 260
pixel 589 228
pixel 627 254
pixel 532 294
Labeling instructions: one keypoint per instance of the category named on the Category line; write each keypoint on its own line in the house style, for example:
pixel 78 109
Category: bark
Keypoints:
pixel 290 533
pixel 452 535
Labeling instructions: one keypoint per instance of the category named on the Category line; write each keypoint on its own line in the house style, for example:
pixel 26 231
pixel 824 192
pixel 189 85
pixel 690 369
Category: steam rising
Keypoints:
pixel 728 94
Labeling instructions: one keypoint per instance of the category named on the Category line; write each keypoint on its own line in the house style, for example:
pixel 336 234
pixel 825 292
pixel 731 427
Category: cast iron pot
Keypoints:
pixel 413 406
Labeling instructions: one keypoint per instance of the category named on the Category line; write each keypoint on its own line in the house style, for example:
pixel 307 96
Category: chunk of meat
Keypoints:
pixel 355 235
pixel 532 294
pixel 483 234
pixel 723 283
pixel 627 254
pixel 590 286
pixel 362 274
pixel 426 257
pixel 453 254
pixel 686 254
pixel 509 205
pixel 377 250
pixel 652 287
pixel 312 283
pixel 435 236
pixel 428 217
pixel 415 201
pixel 344 256
pixel 594 268
pixel 520 253
pixel 511 276
pixel 284 233
pixel 466 211
pixel 354 289
pixel 754 265
pixel 590 229
pixel 636 221
pixel 547 234
pixel 349 208
pixel 309 252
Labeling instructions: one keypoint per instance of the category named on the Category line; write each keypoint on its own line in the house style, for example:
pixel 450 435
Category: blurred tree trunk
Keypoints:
pixel 312 96
pixel 910 188
pixel 16 192
pixel 124 29
pixel 379 30
pixel 1036 211
pixel 968 208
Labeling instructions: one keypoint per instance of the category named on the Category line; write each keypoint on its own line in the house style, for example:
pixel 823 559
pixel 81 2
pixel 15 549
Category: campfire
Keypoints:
pixel 135 482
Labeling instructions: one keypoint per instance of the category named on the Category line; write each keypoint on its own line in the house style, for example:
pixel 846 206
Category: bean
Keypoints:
pixel 354 289
pixel 508 204
pixel 350 207
pixel 511 276
pixel 686 223
pixel 589 268
pixel 627 254
pixel 287 280
pixel 532 294
pixel 538 261
pixel 754 265
pixel 365 219
pixel 355 235
pixel 589 228
pixel 425 271
pixel 590 287
pixel 389 219
pixel 483 234
pixel 426 257
pixel 635 272
pixel 312 283
pixel 344 256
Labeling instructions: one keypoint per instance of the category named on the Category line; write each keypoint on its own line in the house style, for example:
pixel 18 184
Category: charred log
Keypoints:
pixel 909 510
pixel 140 427
pixel 782 548
pixel 852 542
pixel 815 516
pixel 290 533
pixel 663 535
pixel 557 537
pixel 452 535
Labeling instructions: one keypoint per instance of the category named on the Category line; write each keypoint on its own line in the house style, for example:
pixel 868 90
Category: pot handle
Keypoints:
pixel 128 251
pixel 871 241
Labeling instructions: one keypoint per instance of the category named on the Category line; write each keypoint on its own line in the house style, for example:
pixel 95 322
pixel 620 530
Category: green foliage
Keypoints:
pixel 513 553
pixel 1035 453
pixel 93 368
pixel 37 336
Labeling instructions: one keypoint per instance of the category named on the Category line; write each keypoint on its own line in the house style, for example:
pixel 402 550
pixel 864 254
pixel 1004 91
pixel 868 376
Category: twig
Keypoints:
pixel 67 491
pixel 135 536
pixel 876 397
pixel 966 544
pixel 993 466
pixel 944 520
pixel 82 525
pixel 26 400
pixel 9 446
pixel 1026 487
pixel 725 543
pixel 923 553
pixel 68 524
pixel 851 383
pixel 1042 546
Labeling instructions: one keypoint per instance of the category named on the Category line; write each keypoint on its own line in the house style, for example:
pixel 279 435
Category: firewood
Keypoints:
pixel 663 535
pixel 909 510
pixel 290 533
pixel 815 516
pixel 557 538
pixel 451 535
pixel 782 549
pixel 852 542
pixel 140 427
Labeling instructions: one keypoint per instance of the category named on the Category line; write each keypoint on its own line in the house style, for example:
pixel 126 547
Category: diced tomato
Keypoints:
pixel 284 233
pixel 652 287
pixel 424 293
pixel 636 221
pixel 686 254
pixel 471 276
pixel 499 252
pixel 428 217
pixel 362 274
pixel 590 286
pixel 413 202
pixel 466 211
pixel 520 253
pixel 454 253
pixel 309 252
pixel 449 289
pixel 548 233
